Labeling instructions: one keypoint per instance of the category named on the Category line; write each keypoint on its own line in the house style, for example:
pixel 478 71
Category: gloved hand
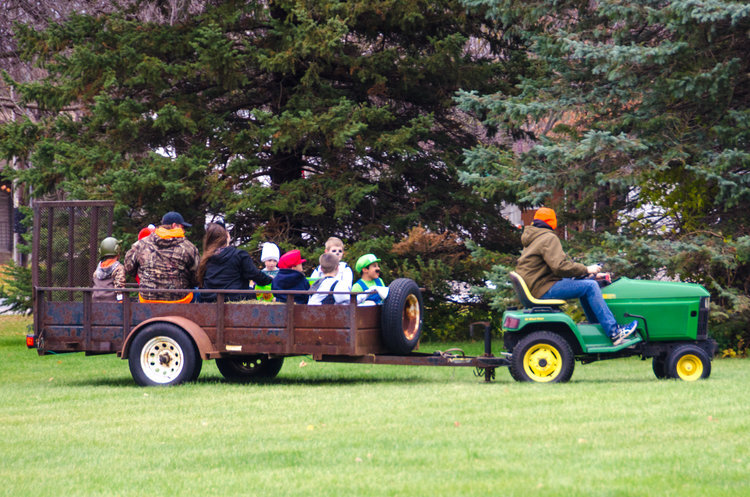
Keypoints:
pixel 594 268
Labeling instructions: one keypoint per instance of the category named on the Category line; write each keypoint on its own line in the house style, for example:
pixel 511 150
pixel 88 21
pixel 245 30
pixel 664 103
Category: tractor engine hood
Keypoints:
pixel 625 288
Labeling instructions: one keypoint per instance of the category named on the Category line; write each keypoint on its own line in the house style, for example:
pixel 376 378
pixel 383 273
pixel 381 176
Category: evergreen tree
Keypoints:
pixel 297 119
pixel 638 123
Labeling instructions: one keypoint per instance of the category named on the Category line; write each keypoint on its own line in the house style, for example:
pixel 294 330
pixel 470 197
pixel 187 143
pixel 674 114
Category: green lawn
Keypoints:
pixel 76 425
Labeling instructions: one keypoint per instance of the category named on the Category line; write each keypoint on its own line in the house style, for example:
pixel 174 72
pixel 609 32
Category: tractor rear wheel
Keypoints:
pixel 542 357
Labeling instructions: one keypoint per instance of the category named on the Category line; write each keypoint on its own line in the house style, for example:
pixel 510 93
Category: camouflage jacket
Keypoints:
pixel 164 259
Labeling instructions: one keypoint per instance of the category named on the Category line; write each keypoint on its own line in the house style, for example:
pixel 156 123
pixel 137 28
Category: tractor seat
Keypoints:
pixel 524 295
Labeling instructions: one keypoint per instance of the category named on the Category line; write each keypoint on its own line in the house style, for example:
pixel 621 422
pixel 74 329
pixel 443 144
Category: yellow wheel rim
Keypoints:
pixel 542 362
pixel 689 367
pixel 411 317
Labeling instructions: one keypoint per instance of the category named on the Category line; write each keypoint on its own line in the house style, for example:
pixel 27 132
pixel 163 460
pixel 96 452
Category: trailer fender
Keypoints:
pixel 198 335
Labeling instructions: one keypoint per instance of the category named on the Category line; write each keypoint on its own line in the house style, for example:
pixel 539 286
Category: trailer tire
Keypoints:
pixel 401 317
pixel 162 354
pixel 246 369
pixel 688 363
pixel 542 357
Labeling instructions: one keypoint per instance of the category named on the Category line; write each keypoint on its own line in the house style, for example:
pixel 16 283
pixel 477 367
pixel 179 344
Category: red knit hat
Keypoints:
pixel 291 259
pixel 146 231
pixel 548 216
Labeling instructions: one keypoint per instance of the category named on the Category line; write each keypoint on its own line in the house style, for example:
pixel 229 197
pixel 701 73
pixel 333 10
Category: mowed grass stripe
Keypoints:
pixel 76 425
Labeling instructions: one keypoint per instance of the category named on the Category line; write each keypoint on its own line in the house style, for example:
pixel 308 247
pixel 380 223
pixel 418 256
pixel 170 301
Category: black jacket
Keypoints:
pixel 231 269
pixel 290 279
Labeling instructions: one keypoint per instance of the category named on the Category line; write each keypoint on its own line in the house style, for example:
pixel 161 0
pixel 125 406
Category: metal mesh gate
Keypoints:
pixel 66 242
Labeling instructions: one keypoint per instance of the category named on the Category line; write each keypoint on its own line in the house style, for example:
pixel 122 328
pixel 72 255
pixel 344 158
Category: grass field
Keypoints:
pixel 76 425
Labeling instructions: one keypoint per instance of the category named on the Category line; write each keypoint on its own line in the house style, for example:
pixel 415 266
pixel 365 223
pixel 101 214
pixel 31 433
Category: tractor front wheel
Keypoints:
pixel 688 363
pixel 659 365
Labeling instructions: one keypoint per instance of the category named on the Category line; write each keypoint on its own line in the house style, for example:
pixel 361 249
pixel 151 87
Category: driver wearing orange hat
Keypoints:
pixel 550 274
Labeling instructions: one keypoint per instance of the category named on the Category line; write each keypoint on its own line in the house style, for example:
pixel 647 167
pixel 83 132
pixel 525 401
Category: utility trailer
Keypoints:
pixel 166 344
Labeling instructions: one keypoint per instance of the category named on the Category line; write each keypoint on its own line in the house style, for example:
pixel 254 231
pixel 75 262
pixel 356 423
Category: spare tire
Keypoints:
pixel 401 318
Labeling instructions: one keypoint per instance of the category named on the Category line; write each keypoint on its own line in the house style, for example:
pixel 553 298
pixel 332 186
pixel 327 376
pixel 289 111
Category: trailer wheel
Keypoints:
pixel 162 354
pixel 244 369
pixel 688 363
pixel 659 365
pixel 401 318
pixel 542 357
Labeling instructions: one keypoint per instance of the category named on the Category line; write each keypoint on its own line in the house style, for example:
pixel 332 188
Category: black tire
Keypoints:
pixel 689 363
pixel 402 314
pixel 197 369
pixel 245 369
pixel 659 365
pixel 163 354
pixel 542 357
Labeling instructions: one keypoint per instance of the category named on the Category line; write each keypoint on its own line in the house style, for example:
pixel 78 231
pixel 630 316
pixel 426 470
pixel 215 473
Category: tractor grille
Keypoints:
pixel 703 319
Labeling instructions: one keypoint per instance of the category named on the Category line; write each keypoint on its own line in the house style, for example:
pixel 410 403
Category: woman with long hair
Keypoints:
pixel 226 267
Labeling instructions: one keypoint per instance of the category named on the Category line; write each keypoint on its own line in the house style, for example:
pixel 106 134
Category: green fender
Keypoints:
pixel 587 335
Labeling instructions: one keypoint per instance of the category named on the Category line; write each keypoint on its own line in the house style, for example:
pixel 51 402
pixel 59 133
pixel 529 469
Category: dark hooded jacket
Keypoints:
pixel 231 269
pixel 543 261
pixel 290 279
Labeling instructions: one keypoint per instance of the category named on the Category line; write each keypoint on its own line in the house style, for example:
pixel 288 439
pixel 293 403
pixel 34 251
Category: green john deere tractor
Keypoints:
pixel 544 342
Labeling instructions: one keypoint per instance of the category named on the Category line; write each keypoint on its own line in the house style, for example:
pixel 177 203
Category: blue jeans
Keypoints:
pixel 590 295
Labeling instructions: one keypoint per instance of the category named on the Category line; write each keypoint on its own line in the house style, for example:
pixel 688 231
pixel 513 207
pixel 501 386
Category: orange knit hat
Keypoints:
pixel 548 216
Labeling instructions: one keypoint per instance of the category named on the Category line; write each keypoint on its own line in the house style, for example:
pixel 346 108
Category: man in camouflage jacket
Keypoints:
pixel 164 259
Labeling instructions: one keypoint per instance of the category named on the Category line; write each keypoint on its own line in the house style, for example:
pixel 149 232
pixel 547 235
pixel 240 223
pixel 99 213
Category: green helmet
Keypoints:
pixel 365 261
pixel 109 246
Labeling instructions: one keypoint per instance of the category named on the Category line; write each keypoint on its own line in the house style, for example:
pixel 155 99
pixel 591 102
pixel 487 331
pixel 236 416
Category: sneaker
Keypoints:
pixel 623 332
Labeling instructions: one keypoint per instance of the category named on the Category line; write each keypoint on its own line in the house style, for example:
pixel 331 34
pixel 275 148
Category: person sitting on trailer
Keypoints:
pixel 370 285
pixel 335 246
pixel 109 272
pixel 226 267
pixel 329 270
pixel 165 260
pixel 290 277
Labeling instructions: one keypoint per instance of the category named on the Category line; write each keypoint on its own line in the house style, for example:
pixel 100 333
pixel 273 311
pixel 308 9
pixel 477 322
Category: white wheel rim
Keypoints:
pixel 162 359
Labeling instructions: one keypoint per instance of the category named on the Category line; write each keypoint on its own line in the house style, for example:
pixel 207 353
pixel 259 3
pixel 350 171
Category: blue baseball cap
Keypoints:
pixel 173 217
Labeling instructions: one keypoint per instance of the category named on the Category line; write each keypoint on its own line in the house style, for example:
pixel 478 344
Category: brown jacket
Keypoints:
pixel 543 261
pixel 164 259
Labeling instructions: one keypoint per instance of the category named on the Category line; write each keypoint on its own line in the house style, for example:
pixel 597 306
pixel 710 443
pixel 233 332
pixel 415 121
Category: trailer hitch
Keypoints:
pixel 488 372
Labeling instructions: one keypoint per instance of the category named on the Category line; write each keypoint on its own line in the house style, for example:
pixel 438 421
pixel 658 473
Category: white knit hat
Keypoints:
pixel 270 252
